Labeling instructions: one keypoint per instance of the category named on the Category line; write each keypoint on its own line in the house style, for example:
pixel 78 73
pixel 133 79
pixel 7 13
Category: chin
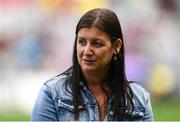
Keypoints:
pixel 89 69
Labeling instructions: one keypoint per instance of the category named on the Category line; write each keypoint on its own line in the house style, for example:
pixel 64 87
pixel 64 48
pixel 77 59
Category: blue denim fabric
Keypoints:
pixel 54 103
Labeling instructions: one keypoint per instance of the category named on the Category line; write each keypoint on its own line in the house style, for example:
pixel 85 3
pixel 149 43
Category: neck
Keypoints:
pixel 94 79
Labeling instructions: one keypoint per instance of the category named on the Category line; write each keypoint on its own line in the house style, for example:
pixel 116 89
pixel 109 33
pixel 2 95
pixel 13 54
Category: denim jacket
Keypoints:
pixel 54 103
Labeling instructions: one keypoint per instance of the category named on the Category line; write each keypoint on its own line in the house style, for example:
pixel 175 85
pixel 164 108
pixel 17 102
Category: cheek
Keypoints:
pixel 106 55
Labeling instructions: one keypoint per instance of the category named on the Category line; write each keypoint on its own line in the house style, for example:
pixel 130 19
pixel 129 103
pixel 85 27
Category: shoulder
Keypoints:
pixel 136 87
pixel 59 79
pixel 56 86
pixel 141 95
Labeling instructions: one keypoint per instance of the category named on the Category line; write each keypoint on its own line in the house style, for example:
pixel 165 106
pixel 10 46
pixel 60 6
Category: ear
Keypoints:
pixel 117 46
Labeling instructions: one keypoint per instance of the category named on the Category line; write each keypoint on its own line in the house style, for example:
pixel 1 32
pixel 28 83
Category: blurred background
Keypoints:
pixel 36 41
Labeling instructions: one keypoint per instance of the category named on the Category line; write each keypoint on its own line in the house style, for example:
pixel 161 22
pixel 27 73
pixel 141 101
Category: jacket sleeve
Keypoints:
pixel 44 108
pixel 148 114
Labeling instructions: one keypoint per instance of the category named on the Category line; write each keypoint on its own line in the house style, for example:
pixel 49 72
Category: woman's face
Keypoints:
pixel 94 50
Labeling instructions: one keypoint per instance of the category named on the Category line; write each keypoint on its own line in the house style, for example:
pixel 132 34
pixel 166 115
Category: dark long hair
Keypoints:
pixel 116 80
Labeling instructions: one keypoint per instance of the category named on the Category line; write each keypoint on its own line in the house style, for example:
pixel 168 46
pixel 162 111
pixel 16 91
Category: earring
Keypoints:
pixel 117 49
pixel 115 58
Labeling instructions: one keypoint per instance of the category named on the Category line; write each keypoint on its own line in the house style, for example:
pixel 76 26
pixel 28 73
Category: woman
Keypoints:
pixel 95 88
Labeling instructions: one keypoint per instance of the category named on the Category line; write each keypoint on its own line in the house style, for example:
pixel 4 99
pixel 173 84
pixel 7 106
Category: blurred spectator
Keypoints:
pixel 30 51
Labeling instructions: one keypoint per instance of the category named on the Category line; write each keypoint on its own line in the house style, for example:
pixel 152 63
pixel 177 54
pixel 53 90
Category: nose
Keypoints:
pixel 88 50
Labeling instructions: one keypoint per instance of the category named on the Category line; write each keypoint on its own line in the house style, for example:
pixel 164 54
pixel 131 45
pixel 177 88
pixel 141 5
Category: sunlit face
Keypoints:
pixel 94 50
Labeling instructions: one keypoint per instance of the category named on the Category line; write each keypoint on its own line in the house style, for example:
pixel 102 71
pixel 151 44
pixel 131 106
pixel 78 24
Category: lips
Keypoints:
pixel 89 61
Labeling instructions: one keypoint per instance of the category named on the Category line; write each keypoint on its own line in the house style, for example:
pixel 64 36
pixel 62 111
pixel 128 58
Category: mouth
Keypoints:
pixel 87 61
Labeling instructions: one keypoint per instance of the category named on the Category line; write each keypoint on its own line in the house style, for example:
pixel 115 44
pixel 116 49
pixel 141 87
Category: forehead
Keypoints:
pixel 92 32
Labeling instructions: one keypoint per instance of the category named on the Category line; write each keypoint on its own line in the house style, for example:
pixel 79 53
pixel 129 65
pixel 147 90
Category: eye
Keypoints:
pixel 82 42
pixel 98 43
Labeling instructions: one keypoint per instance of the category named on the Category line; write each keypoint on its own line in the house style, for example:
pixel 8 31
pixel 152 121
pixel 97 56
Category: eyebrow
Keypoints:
pixel 80 37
